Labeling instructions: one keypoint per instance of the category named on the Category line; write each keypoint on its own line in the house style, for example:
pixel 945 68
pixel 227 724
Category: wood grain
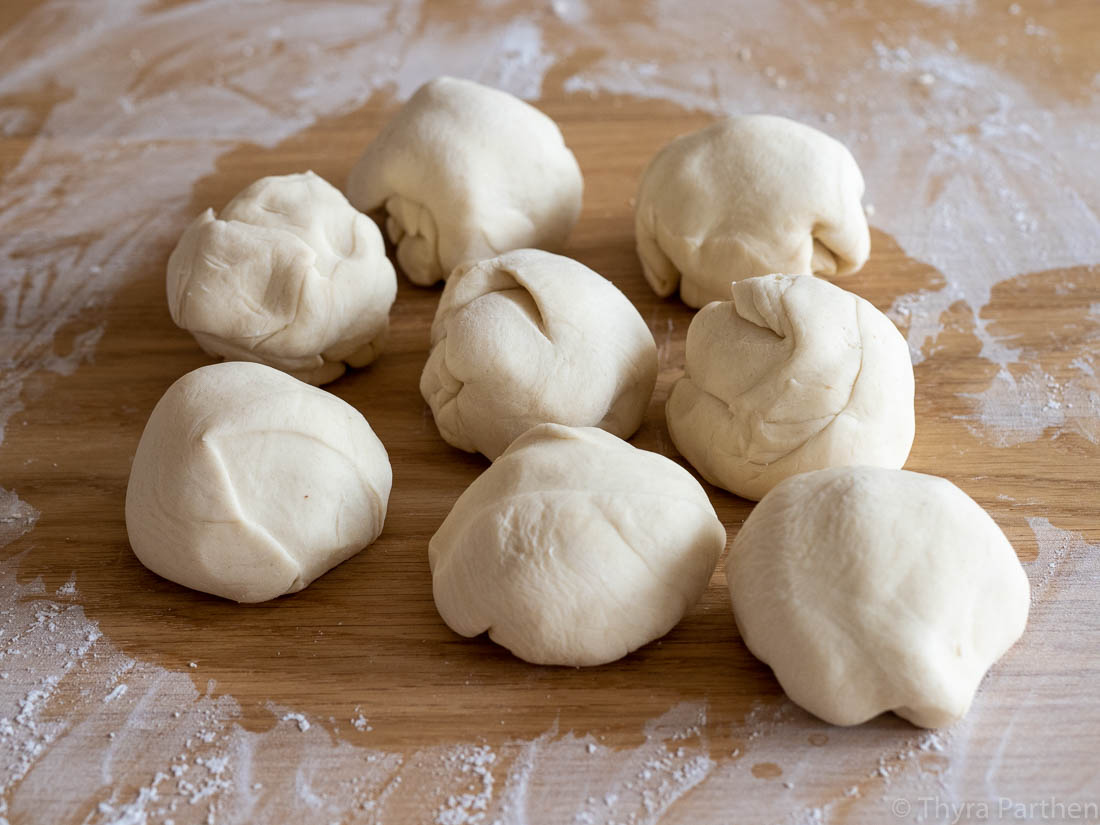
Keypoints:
pixel 367 634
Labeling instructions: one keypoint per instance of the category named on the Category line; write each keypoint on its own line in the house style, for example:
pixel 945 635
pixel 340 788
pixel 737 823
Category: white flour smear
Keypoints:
pixel 998 191
pixel 78 212
pixel 199 765
pixel 104 188
pixel 17 518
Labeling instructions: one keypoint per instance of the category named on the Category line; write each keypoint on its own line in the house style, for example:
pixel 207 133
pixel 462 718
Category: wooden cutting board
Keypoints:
pixel 123 695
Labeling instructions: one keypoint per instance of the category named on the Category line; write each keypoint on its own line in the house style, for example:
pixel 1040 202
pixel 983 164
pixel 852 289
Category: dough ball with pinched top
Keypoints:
pixel 465 172
pixel 250 484
pixel 794 374
pixel 530 337
pixel 748 196
pixel 574 548
pixel 868 590
pixel 289 275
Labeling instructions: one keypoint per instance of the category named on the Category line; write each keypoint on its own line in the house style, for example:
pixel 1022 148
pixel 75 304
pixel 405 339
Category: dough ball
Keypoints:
pixel 869 590
pixel 249 484
pixel 794 374
pixel 466 172
pixel 528 338
pixel 575 548
pixel 747 196
pixel 290 275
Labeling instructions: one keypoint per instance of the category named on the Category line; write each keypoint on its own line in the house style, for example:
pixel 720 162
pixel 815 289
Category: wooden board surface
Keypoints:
pixel 689 729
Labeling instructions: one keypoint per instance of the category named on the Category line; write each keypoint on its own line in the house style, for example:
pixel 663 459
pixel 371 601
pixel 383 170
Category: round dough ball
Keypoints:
pixel 575 548
pixel 249 484
pixel 794 374
pixel 290 275
pixel 466 172
pixel 528 338
pixel 747 196
pixel 869 590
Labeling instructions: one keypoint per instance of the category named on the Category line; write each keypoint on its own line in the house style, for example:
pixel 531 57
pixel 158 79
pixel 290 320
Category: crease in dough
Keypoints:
pixel 289 275
pixel 794 374
pixel 530 337
pixel 249 484
pixel 574 548
pixel 867 590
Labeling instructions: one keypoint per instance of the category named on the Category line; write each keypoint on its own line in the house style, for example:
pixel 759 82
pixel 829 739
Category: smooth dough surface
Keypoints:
pixel 868 590
pixel 794 374
pixel 465 172
pixel 530 337
pixel 575 548
pixel 250 484
pixel 290 275
pixel 748 196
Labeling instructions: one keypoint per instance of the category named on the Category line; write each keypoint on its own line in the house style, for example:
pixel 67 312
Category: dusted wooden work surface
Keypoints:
pixel 126 696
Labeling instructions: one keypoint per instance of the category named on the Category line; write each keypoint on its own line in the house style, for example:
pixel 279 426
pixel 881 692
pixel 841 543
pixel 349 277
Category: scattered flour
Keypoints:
pixel 68 588
pixel 1056 548
pixel 360 722
pixel 997 185
pixel 998 193
pixel 17 517
pixel 299 719
pixel 202 766
pixel 996 188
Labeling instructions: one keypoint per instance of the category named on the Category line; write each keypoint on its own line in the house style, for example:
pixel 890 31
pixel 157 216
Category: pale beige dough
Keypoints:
pixel 464 172
pixel 748 196
pixel 868 590
pixel 249 484
pixel 794 374
pixel 530 337
pixel 289 275
pixel 574 548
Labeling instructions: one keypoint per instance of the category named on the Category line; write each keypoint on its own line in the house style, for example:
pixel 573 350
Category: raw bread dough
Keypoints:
pixel 466 172
pixel 531 337
pixel 249 484
pixel 793 374
pixel 575 548
pixel 869 590
pixel 291 276
pixel 748 196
